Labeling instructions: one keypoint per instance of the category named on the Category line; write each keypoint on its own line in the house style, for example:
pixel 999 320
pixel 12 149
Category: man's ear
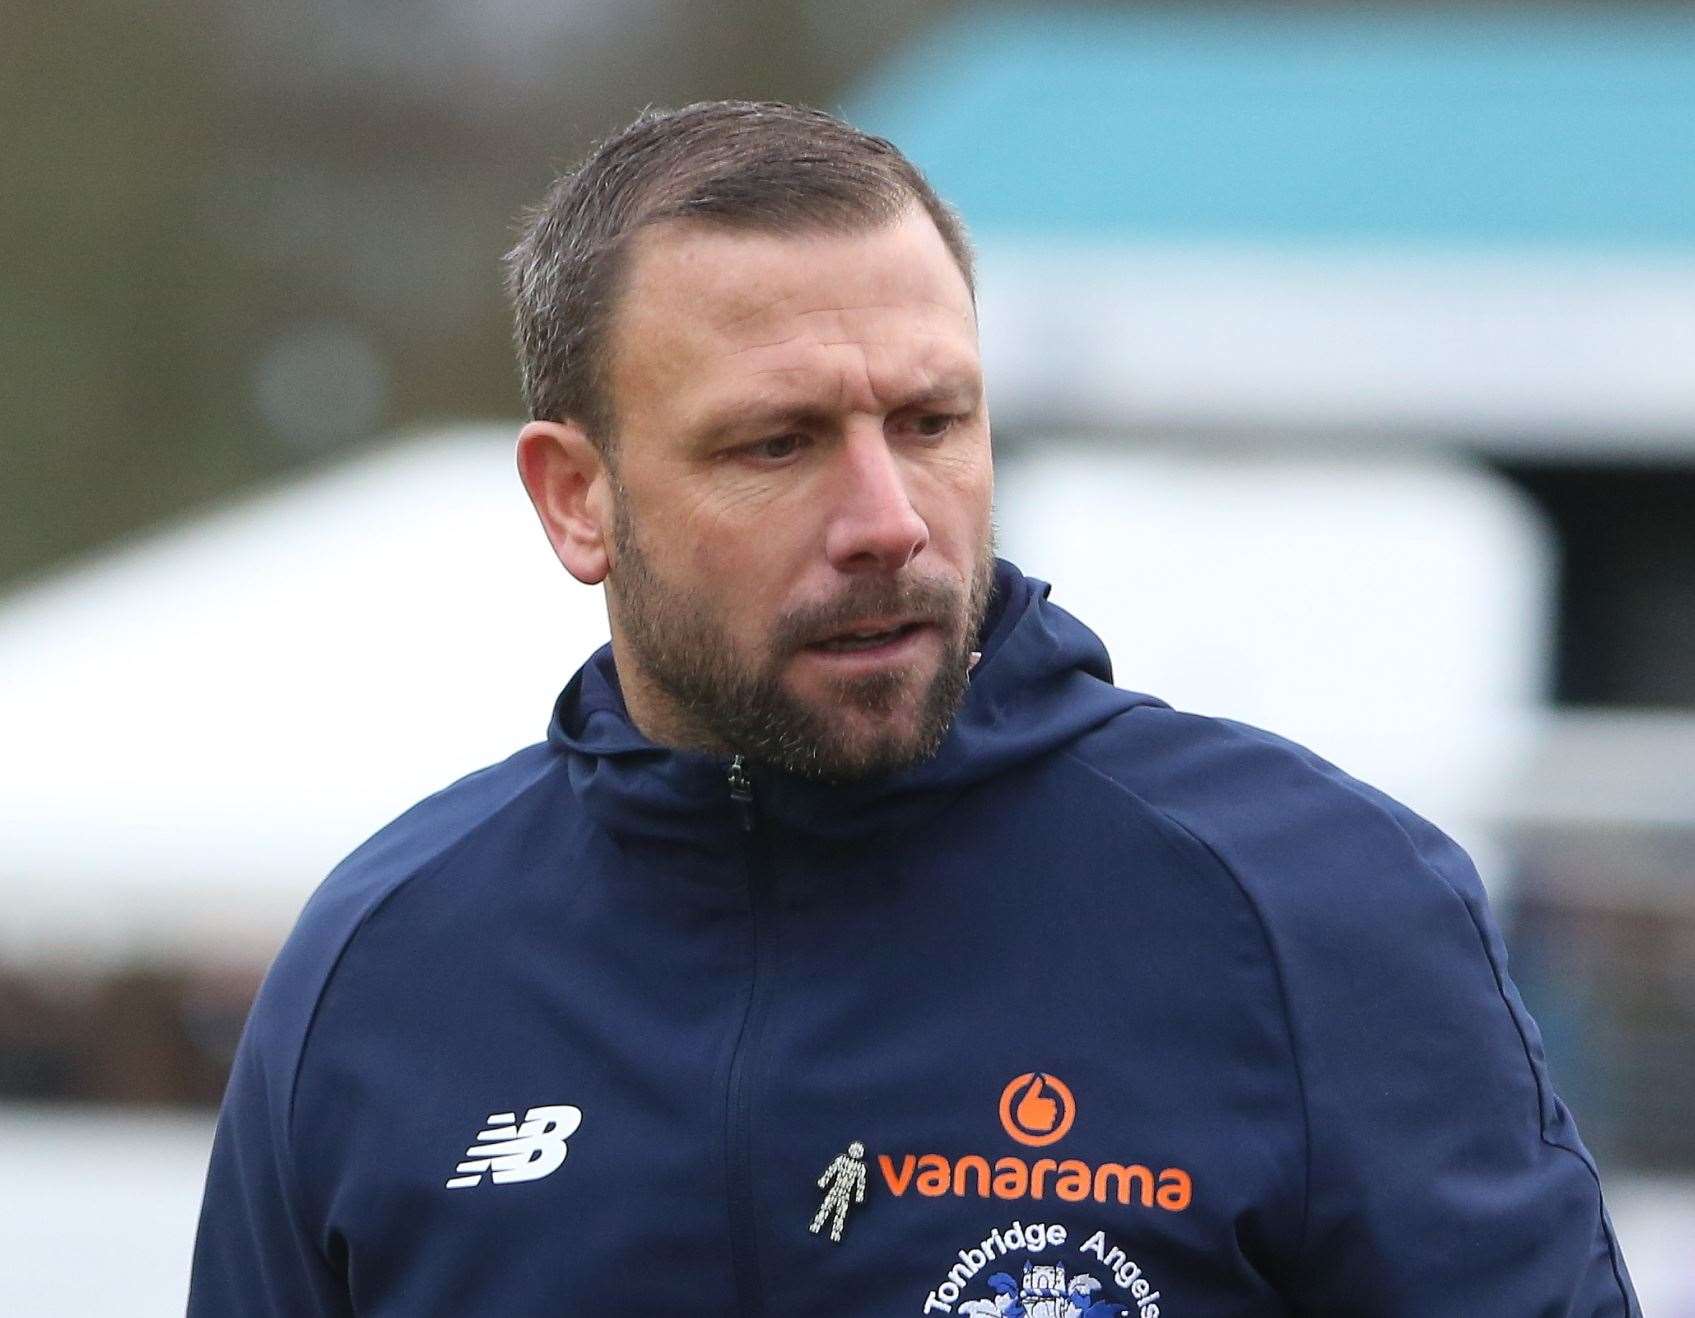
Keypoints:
pixel 569 484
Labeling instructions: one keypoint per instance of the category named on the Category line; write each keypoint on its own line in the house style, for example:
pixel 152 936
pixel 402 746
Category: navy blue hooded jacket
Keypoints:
pixel 1106 1009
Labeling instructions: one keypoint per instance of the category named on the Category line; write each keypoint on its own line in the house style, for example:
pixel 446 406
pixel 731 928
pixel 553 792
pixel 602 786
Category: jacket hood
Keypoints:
pixel 1043 681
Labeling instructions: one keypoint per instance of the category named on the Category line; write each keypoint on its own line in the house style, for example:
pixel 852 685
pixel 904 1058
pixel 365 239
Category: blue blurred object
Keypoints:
pixel 1456 126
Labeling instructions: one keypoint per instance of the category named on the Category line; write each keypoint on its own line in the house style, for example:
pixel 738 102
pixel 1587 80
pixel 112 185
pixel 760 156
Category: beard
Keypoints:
pixel 723 702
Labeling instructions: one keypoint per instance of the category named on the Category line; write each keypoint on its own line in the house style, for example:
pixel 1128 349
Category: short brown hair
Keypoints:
pixel 758 165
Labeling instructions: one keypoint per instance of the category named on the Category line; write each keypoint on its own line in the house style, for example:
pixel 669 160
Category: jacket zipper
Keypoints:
pixel 738 1124
pixel 741 792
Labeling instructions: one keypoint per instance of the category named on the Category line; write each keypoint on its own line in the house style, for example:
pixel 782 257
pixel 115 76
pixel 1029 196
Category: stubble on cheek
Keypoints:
pixel 722 691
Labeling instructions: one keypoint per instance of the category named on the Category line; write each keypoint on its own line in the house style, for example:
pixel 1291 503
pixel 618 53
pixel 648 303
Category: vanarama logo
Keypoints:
pixel 1036 1109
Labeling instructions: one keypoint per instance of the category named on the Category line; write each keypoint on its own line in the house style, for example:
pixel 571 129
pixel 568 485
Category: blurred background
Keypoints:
pixel 1342 364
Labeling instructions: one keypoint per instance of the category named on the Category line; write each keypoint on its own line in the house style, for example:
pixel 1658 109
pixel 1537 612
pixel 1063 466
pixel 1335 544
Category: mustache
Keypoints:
pixel 926 600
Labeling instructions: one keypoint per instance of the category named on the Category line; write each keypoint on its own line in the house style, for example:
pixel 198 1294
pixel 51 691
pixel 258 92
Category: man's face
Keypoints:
pixel 801 551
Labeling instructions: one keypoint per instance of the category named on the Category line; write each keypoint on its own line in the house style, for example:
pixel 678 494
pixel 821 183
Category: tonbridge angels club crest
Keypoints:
pixel 1044 1290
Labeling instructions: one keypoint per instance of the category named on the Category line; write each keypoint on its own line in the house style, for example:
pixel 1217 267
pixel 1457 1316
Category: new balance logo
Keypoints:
pixel 512 1152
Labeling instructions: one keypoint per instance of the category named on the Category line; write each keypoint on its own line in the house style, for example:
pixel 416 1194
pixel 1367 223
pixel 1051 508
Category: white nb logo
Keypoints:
pixel 513 1152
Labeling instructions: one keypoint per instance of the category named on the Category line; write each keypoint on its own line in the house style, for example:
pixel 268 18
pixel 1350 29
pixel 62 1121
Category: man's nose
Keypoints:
pixel 873 527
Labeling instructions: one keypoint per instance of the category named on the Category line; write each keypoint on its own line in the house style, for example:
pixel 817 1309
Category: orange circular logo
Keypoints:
pixel 1036 1109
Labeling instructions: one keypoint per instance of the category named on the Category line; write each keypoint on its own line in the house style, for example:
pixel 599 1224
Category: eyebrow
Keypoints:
pixel 958 390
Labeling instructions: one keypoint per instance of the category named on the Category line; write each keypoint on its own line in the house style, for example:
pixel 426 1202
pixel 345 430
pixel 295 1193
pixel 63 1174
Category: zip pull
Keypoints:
pixel 741 792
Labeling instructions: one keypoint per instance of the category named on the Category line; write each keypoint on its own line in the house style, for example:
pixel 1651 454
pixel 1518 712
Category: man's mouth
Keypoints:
pixel 871 636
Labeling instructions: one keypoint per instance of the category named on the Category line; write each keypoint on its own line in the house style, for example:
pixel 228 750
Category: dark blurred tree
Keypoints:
pixel 110 411
pixel 237 237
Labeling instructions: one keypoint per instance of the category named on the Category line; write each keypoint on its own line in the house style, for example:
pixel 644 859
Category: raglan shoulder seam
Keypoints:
pixel 1276 964
pixel 1497 973
pixel 423 869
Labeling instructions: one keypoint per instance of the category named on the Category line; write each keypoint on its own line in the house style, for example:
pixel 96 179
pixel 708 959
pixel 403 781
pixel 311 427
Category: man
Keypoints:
pixel 847 855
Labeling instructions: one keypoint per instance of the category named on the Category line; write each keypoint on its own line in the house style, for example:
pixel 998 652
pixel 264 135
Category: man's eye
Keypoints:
pixel 933 425
pixel 777 447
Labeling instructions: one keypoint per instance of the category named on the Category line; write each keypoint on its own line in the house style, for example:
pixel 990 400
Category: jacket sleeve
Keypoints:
pixel 254 1253
pixel 1443 1174
pixel 1446 1176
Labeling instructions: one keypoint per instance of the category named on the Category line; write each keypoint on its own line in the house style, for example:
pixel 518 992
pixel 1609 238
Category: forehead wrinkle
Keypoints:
pixel 765 307
pixel 903 309
pixel 796 338
pixel 927 342
pixel 855 386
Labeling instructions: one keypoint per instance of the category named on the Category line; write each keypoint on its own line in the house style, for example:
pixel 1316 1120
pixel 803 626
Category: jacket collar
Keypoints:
pixel 1044 680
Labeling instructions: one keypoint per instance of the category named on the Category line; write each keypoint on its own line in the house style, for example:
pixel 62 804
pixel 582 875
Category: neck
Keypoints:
pixel 656 714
